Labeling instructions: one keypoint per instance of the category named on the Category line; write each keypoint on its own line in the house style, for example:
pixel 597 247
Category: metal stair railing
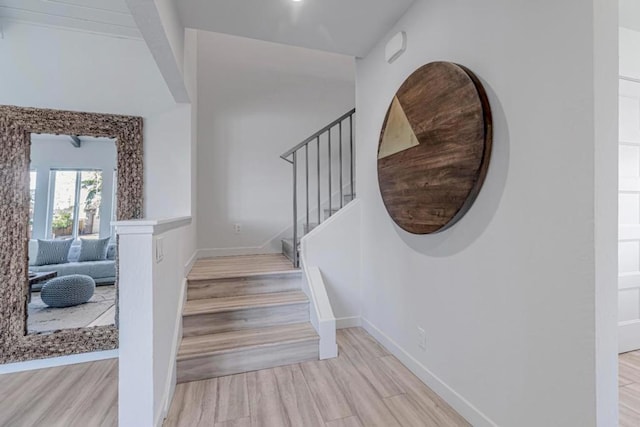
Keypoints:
pixel 298 157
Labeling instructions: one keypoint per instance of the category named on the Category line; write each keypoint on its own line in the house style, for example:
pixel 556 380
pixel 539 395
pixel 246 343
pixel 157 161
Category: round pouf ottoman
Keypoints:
pixel 67 291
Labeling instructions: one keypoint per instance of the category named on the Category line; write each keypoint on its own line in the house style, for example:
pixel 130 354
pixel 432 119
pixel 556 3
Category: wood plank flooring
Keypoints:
pixel 85 395
pixel 629 389
pixel 364 387
pixel 79 395
pixel 240 266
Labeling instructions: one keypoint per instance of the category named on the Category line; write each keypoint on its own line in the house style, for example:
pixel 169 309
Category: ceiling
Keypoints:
pixel 630 14
pixel 234 56
pixel 111 17
pixel 347 27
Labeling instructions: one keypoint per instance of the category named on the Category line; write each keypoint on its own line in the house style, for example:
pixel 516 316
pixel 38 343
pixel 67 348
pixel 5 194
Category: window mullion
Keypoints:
pixel 76 209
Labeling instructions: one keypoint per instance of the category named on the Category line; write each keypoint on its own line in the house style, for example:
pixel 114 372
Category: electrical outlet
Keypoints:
pixel 422 339
pixel 237 228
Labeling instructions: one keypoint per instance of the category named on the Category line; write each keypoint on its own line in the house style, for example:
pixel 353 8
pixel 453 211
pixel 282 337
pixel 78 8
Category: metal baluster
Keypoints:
pixel 306 171
pixel 318 183
pixel 295 209
pixel 329 136
pixel 341 195
pixel 293 155
pixel 353 191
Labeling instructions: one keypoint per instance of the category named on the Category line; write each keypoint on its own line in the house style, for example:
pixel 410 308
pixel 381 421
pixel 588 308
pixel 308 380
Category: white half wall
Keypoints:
pixel 334 247
pixel 152 292
pixel 507 296
pixel 256 100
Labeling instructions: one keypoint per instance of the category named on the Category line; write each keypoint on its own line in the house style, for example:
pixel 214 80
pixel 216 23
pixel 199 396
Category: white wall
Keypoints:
pixel 255 101
pixel 47 154
pixel 88 72
pixel 62 69
pixel 334 247
pixel 606 70
pixel 148 376
pixel 507 295
pixel 167 156
pixel 629 58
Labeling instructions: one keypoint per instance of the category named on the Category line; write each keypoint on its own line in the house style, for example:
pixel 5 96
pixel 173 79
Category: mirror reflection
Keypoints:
pixel 72 250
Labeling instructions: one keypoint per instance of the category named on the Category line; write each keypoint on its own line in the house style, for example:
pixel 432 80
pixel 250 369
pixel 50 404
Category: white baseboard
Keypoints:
pixel 190 262
pixel 348 322
pixel 170 386
pixel 628 333
pixel 218 252
pixel 58 361
pixel 459 403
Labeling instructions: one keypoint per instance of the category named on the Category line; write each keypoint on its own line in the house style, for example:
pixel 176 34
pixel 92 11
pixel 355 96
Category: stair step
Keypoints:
pixel 255 284
pixel 225 304
pixel 228 353
pixel 216 315
pixel 239 266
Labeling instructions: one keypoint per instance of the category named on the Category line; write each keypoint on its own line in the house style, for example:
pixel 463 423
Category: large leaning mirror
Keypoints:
pixel 72 249
pixel 66 176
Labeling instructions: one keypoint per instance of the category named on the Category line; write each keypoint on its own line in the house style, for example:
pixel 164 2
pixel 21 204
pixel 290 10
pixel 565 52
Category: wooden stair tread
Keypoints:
pixel 241 340
pixel 219 305
pixel 240 266
pixel 237 276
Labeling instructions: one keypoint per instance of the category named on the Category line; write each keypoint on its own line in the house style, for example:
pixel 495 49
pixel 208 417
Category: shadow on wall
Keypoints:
pixel 475 222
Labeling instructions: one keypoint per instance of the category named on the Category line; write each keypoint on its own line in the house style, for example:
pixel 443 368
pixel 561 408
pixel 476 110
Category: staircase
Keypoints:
pixel 323 168
pixel 245 313
pixel 242 314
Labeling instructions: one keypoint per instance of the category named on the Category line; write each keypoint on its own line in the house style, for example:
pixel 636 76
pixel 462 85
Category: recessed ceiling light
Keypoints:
pixel 297 1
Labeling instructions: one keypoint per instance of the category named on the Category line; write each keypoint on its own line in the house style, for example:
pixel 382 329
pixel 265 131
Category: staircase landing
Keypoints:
pixel 239 266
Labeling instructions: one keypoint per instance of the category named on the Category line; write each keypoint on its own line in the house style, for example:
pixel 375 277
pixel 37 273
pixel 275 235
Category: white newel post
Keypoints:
pixel 136 247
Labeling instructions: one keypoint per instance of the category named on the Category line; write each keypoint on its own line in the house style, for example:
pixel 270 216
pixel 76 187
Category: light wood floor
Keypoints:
pixel 82 395
pixel 247 265
pixel 629 388
pixel 364 387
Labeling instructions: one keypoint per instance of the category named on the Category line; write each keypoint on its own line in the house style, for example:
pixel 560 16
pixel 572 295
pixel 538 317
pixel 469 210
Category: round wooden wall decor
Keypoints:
pixel 435 147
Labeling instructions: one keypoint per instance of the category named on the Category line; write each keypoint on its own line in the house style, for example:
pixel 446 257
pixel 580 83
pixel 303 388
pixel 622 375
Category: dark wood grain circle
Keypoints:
pixel 434 148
